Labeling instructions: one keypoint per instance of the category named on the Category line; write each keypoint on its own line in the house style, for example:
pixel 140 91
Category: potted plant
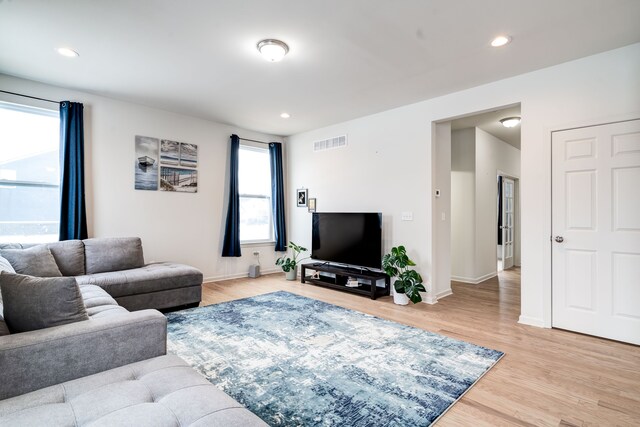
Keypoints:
pixel 290 265
pixel 408 283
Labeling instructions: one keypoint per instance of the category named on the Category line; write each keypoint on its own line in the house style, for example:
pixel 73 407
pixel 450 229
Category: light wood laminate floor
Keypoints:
pixel 548 377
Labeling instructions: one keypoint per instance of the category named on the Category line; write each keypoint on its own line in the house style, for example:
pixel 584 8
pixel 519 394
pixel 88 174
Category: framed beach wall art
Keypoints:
pixel 301 197
pixel 169 152
pixel 188 155
pixel 178 179
pixel 312 204
pixel 146 163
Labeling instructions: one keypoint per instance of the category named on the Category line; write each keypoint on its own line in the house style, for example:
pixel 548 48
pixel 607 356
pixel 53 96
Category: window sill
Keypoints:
pixel 258 243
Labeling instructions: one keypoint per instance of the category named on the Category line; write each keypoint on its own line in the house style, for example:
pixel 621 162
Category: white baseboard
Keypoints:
pixel 474 280
pixel 531 321
pixel 429 299
pixel 444 293
pixel 239 275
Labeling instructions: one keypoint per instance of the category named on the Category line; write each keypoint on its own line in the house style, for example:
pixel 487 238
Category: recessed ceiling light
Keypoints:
pixel 272 50
pixel 285 115
pixel 69 53
pixel 500 41
pixel 510 122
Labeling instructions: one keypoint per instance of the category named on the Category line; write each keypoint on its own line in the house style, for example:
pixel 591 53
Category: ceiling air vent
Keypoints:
pixel 331 143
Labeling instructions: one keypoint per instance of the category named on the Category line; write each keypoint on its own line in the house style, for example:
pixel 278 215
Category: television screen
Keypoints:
pixel 348 238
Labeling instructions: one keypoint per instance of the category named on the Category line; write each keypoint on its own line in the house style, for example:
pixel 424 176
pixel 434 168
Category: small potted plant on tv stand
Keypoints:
pixel 408 284
pixel 290 265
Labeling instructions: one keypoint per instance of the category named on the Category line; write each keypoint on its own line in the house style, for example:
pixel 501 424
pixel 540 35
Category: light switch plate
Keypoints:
pixel 407 216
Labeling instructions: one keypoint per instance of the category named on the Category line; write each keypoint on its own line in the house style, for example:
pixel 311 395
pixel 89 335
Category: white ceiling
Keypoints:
pixel 348 58
pixel 490 122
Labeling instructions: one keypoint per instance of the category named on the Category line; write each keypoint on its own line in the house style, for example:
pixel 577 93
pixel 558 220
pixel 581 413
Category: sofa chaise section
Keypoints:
pixel 157 285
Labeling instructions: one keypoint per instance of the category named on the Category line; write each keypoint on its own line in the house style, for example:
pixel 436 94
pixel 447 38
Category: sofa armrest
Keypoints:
pixel 33 360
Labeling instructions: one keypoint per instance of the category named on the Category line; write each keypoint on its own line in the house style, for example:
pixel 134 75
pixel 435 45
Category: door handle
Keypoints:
pixel 559 239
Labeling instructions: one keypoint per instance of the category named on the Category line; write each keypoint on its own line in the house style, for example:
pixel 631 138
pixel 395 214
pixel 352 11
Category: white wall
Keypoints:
pixel 388 163
pixel 463 204
pixel 180 227
pixel 441 270
pixel 371 174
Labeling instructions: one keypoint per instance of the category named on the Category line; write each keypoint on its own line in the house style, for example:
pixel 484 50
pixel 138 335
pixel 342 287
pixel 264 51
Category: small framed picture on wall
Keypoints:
pixel 312 205
pixel 301 196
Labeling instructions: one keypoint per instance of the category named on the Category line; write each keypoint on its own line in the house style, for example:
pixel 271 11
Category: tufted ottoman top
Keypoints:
pixel 163 391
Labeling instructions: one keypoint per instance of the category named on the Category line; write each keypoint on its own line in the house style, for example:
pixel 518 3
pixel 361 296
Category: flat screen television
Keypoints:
pixel 353 238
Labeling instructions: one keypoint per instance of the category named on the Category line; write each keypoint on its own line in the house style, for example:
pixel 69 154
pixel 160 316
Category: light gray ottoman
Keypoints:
pixel 163 391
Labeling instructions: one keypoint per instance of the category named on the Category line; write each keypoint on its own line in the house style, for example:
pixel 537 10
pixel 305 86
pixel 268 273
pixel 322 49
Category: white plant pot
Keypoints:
pixel 292 274
pixel 400 299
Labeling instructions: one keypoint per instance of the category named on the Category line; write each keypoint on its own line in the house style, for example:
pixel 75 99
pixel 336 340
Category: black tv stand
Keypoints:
pixel 336 277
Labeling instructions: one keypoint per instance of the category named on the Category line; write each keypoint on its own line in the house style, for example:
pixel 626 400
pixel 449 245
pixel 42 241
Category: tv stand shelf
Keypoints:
pixel 334 277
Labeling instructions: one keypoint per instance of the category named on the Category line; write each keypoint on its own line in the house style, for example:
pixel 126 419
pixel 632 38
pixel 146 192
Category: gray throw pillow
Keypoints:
pixel 69 256
pixel 34 261
pixel 32 303
pixel 112 254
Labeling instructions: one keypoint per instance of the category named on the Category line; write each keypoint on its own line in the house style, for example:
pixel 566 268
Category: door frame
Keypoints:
pixel 516 217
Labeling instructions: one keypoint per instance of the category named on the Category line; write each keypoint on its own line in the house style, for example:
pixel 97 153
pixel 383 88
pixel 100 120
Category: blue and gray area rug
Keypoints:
pixel 296 361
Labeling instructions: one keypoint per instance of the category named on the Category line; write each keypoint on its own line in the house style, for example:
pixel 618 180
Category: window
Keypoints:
pixel 254 186
pixel 29 174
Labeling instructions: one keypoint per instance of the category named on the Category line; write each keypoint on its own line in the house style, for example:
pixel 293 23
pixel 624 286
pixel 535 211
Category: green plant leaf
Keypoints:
pixel 413 292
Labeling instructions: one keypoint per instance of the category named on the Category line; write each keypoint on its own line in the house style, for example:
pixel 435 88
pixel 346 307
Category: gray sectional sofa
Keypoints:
pixel 116 265
pixel 105 366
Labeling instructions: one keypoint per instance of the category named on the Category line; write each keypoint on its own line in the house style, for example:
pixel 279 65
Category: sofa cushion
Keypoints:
pixel 35 261
pixel 32 303
pixel 112 254
pixel 150 278
pixel 4 329
pixel 10 246
pixel 99 303
pixel 5 265
pixel 69 256
pixel 163 391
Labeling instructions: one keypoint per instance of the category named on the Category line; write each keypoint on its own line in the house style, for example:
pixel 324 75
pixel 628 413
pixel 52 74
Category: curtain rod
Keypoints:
pixel 253 140
pixel 29 96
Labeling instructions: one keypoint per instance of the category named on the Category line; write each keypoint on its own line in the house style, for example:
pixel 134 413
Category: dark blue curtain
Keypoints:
pixel 231 245
pixel 277 196
pixel 499 210
pixel 73 215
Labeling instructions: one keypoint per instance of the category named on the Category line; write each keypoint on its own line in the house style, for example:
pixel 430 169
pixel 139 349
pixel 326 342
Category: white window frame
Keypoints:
pixel 17 183
pixel 271 240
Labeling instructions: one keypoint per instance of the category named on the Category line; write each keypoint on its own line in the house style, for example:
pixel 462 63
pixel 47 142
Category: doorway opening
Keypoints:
pixel 485 166
pixel 468 153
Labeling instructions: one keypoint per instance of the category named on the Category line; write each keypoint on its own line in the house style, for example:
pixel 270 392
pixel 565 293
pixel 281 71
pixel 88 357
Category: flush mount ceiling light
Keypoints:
pixel 510 122
pixel 272 50
pixel 285 115
pixel 500 41
pixel 69 53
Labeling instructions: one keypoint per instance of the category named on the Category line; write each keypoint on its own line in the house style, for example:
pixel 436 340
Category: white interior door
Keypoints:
pixel 508 210
pixel 596 230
